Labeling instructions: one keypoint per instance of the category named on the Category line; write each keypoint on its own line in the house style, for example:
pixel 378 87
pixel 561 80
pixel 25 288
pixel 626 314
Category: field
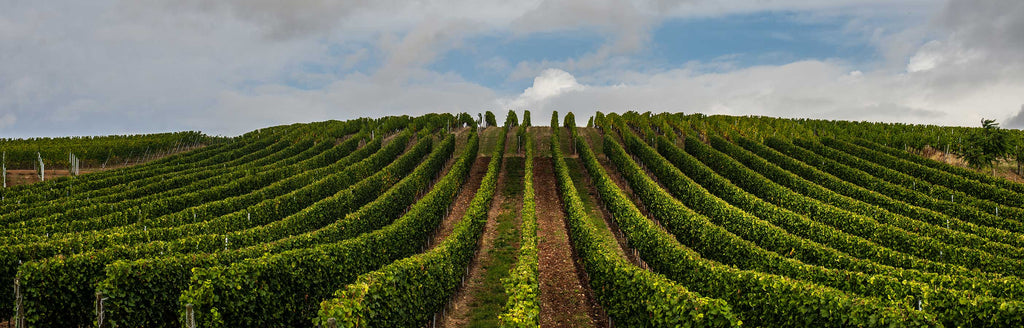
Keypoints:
pixel 635 220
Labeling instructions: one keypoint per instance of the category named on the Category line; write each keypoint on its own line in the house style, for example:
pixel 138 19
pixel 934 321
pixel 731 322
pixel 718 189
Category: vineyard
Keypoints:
pixel 649 220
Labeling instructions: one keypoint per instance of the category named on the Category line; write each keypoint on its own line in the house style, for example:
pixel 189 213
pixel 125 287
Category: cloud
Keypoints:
pixel 992 26
pixel 7 119
pixel 552 82
pixel 1016 121
pixel 419 47
pixel 226 67
pixel 805 89
pixel 354 96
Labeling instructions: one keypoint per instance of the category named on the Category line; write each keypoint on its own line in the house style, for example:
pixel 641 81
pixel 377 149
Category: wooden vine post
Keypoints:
pixel 19 312
pixel 100 315
pixel 42 167
pixel 190 316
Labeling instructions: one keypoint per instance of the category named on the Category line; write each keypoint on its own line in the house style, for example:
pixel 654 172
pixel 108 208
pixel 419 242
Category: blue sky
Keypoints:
pixel 743 40
pixel 109 66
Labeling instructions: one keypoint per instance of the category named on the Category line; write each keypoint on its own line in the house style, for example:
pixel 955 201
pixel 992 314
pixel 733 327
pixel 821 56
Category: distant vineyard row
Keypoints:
pixel 728 221
pixel 762 226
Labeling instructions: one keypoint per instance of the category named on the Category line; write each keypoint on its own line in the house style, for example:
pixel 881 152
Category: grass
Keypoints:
pixel 541 141
pixel 577 171
pixel 490 138
pixel 595 138
pixel 490 298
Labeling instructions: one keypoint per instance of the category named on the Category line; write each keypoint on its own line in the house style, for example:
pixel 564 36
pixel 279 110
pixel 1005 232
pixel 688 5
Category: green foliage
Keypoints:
pixel 570 121
pixel 1016 153
pixel 173 272
pixel 986 196
pixel 87 269
pixel 630 295
pixel 554 120
pixel 888 182
pixel 713 241
pixel 776 222
pixel 511 120
pixel 787 297
pixel 522 285
pixel 409 291
pixel 876 197
pixel 68 280
pixel 984 147
pixel 491 121
pixel 467 120
pixel 97 151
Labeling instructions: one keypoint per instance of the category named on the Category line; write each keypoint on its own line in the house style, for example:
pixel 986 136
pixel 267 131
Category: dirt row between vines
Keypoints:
pixel 466 299
pixel 565 300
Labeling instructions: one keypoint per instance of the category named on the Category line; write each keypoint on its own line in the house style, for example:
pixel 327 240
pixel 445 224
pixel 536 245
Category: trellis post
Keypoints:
pixel 19 312
pixel 100 317
pixel 190 316
pixel 42 167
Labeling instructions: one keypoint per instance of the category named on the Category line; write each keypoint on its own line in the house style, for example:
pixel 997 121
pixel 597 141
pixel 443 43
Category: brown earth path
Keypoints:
pixel 464 300
pixel 461 203
pixel 564 295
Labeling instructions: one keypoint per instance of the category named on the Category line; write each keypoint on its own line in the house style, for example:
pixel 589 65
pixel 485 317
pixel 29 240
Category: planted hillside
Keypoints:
pixel 637 219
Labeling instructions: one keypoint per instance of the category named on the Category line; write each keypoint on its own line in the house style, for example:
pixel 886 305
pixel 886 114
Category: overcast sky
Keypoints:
pixel 230 66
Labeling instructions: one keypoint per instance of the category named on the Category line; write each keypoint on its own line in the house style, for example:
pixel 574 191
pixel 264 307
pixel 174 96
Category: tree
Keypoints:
pixel 490 119
pixel 526 118
pixel 1017 153
pixel 1018 156
pixel 511 120
pixel 466 120
pixel 986 145
pixel 554 119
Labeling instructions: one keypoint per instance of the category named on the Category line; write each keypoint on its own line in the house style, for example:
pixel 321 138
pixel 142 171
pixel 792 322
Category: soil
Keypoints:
pixel 1004 169
pixel 476 175
pixel 565 300
pixel 541 140
pixel 464 299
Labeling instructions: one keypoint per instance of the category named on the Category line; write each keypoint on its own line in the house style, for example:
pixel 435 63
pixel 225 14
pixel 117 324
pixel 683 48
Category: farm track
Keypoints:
pixel 461 203
pixel 503 205
pixel 564 297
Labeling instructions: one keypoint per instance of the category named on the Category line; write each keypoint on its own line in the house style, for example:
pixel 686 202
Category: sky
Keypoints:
pixel 226 67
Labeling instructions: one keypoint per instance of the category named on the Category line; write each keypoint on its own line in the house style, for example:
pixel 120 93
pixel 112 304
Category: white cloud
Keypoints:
pixel 7 119
pixel 552 82
pixel 353 96
pixel 110 66
pixel 814 89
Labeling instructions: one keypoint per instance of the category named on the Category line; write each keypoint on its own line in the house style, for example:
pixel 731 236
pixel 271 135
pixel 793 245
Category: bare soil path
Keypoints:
pixel 481 300
pixel 476 175
pixel 564 294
